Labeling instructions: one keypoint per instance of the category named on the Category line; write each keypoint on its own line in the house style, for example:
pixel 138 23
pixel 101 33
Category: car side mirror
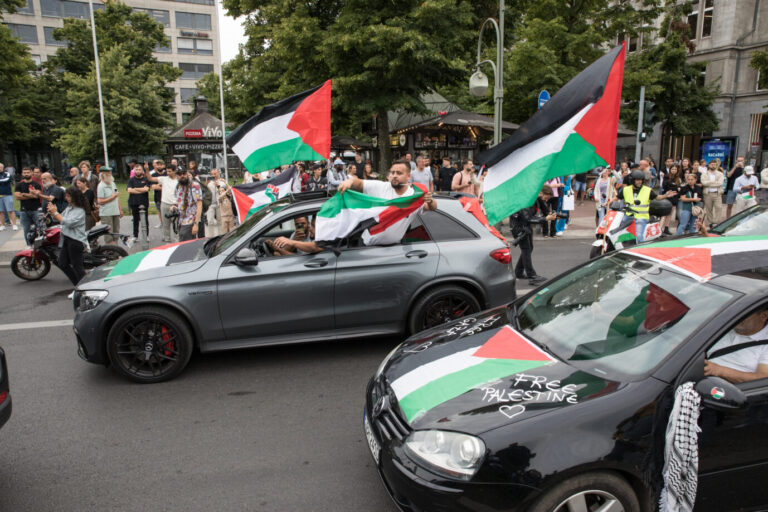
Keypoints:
pixel 246 257
pixel 720 395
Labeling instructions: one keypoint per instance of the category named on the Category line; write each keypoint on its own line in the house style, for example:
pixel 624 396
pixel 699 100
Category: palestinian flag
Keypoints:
pixel 573 132
pixel 296 128
pixel 705 258
pixel 384 221
pixel 506 353
pixel 252 197
pixel 158 257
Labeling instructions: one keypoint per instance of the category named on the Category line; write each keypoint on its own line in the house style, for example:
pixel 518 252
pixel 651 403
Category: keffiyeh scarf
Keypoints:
pixel 681 452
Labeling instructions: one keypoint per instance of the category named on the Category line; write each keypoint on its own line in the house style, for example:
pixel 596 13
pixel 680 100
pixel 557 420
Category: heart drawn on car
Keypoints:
pixel 510 411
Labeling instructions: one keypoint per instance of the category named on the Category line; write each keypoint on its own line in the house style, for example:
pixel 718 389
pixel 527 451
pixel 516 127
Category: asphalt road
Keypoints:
pixel 270 429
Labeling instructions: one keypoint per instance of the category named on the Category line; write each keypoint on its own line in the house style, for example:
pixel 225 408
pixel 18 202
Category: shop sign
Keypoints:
pixel 193 134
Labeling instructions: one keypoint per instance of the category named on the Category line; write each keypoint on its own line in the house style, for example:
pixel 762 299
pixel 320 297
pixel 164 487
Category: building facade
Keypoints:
pixel 190 25
pixel 726 33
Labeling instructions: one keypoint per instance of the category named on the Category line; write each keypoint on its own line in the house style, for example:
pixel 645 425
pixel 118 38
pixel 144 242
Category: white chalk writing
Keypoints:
pixel 538 389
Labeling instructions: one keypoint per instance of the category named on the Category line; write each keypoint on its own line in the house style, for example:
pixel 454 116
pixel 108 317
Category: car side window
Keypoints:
pixel 741 354
pixel 299 227
pixel 443 228
pixel 416 232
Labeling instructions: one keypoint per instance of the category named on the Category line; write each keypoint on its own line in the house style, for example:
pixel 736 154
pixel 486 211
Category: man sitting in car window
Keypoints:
pixel 748 363
pixel 301 241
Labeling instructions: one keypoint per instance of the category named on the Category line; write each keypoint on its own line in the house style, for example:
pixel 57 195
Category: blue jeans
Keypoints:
pixel 29 219
pixel 640 225
pixel 687 222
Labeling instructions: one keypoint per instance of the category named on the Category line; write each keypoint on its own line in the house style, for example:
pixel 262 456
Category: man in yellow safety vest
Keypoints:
pixel 638 198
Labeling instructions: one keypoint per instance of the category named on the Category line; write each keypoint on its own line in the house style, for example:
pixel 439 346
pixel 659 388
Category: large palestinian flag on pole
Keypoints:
pixel 506 353
pixel 383 221
pixel 252 197
pixel 296 128
pixel 708 257
pixel 573 132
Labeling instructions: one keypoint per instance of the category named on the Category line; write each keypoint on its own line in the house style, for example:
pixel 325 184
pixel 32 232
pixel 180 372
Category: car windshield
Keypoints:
pixel 619 316
pixel 753 221
pixel 236 234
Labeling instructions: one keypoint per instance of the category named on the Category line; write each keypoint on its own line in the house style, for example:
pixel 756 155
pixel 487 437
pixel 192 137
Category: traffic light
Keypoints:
pixel 650 117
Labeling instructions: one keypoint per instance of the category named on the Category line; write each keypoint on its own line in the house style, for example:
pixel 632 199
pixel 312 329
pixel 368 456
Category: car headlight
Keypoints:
pixel 89 299
pixel 448 453
pixel 385 361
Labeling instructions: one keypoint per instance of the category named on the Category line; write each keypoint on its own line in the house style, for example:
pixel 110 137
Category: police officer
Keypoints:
pixel 638 198
pixel 520 224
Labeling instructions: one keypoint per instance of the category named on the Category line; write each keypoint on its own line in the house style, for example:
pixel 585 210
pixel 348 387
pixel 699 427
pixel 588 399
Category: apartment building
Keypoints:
pixel 191 26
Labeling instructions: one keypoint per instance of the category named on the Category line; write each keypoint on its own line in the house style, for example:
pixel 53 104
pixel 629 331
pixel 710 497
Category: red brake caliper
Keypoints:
pixel 168 346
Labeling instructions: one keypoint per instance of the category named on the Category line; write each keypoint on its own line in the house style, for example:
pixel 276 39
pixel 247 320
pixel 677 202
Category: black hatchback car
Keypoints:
pixel 5 392
pixel 560 400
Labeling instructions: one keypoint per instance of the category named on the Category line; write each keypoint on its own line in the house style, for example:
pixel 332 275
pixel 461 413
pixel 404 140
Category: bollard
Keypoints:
pixel 143 227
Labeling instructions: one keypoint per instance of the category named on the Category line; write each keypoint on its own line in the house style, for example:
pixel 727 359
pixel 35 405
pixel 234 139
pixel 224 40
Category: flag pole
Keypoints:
pixel 221 99
pixel 98 84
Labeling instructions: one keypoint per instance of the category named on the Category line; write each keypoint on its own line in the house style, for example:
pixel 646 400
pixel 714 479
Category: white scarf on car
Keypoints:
pixel 681 452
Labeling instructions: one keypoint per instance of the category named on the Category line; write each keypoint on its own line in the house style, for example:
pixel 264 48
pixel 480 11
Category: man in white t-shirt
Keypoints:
pixel 167 185
pixel 398 185
pixel 748 363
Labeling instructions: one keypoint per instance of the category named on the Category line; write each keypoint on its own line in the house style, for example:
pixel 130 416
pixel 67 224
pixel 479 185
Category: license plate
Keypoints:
pixel 373 444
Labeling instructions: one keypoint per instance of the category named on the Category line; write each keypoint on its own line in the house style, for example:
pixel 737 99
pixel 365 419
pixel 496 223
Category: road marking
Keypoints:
pixel 35 325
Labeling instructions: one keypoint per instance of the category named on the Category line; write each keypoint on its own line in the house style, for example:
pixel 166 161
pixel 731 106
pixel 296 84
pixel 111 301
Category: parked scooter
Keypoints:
pixel 34 263
pixel 617 230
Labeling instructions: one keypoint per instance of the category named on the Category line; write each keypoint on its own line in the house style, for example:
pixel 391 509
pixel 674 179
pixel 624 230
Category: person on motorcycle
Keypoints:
pixel 638 199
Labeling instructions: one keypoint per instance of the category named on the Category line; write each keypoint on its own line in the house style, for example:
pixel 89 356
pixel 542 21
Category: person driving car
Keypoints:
pixel 301 241
pixel 747 363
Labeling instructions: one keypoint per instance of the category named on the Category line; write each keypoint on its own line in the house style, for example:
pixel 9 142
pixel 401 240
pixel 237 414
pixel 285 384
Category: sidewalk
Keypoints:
pixel 581 225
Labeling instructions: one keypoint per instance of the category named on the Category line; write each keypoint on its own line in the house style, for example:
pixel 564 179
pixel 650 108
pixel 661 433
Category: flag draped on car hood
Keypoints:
pixel 384 221
pixel 573 132
pixel 181 252
pixel 251 197
pixel 707 257
pixel 296 128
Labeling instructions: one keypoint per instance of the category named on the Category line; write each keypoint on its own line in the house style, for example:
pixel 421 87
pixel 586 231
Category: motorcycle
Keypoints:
pixel 617 230
pixel 34 262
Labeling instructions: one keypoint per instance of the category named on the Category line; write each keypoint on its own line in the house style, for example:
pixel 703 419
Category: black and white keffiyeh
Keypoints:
pixel 681 452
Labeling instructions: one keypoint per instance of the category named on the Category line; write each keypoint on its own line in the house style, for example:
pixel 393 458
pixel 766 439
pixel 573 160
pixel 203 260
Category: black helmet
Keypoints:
pixel 638 175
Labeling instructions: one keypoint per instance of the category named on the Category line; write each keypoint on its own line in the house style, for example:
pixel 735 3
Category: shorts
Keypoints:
pixel 579 186
pixel 6 204
pixel 730 197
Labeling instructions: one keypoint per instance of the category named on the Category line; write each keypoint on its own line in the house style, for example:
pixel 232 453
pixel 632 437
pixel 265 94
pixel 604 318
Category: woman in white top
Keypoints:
pixel 605 193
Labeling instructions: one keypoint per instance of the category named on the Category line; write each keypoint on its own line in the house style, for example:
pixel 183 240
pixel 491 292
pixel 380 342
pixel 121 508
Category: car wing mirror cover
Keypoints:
pixel 246 257
pixel 719 394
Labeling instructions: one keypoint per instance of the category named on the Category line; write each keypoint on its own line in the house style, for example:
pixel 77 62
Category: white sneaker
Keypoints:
pixel 2 227
pixel 15 227
pixel 158 226
pixel 559 233
pixel 71 295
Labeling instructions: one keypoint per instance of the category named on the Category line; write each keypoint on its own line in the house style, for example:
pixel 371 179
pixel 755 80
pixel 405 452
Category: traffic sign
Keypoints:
pixel 543 98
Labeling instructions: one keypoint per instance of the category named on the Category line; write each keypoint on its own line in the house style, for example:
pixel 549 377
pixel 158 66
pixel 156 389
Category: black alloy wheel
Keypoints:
pixel 591 492
pixel 30 269
pixel 149 344
pixel 109 252
pixel 440 305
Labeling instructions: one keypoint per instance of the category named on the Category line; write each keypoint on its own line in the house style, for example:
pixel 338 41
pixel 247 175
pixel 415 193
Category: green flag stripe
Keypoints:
pixel 275 155
pixel 128 264
pixel 454 384
pixel 352 200
pixel 689 242
pixel 624 237
pixel 520 191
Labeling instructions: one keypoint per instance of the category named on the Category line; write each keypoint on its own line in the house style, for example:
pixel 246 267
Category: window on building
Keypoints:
pixel 160 15
pixel 194 71
pixel 760 85
pixel 193 20
pixel 38 61
pixel 693 20
pixel 67 9
pixel 198 46
pixel 634 44
pixel 706 25
pixel 201 2
pixel 50 40
pixel 25 33
pixel 188 94
pixel 26 9
pixel 162 48
pixel 185 116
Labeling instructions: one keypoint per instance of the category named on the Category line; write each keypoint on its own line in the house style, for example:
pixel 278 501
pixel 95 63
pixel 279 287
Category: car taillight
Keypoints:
pixel 3 396
pixel 502 255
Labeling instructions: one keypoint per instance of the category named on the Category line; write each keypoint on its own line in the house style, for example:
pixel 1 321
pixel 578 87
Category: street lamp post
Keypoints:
pixel 98 84
pixel 478 82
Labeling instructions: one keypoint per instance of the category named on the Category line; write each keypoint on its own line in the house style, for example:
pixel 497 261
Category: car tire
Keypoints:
pixel 22 271
pixel 589 491
pixel 440 305
pixel 110 252
pixel 149 344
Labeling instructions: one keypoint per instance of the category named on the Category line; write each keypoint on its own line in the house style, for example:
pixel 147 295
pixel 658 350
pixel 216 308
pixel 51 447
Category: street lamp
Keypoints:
pixel 478 82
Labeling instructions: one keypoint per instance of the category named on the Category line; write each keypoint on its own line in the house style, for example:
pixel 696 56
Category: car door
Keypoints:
pixel 733 453
pixel 280 296
pixel 374 284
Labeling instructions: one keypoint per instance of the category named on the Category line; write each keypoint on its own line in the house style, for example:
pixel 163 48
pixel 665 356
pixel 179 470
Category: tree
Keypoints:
pixel 760 63
pixel 135 114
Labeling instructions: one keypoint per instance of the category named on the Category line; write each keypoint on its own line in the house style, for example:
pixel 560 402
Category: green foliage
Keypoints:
pixel 760 63
pixel 10 6
pixel 17 101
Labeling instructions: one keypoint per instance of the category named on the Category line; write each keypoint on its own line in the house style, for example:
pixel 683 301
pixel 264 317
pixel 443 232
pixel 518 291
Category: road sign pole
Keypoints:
pixel 640 119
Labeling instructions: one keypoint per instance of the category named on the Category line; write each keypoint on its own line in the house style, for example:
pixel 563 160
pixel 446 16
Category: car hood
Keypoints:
pixel 161 261
pixel 478 374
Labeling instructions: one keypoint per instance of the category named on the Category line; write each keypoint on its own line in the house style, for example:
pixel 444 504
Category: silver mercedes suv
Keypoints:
pixel 145 314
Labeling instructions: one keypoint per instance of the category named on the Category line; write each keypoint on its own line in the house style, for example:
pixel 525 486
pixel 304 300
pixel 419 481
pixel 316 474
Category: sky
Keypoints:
pixel 232 34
